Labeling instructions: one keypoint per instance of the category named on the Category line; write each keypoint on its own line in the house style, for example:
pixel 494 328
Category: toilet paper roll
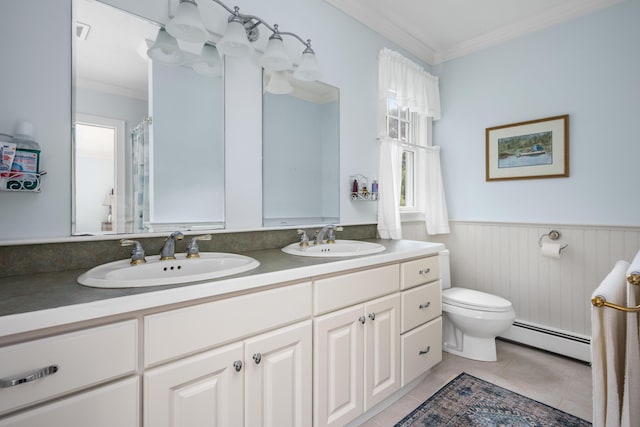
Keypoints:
pixel 551 250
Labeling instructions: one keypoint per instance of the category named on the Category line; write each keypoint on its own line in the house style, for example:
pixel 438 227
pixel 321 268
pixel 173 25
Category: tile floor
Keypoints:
pixel 548 378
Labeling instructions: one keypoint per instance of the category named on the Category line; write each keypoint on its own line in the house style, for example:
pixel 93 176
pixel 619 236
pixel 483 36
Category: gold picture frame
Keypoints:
pixel 528 150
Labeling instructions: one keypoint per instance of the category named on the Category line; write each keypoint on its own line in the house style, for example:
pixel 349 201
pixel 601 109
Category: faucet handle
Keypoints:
pixel 137 253
pixel 331 238
pixel 193 251
pixel 304 239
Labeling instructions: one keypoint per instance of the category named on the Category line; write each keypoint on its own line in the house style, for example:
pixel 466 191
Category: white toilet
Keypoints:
pixel 471 319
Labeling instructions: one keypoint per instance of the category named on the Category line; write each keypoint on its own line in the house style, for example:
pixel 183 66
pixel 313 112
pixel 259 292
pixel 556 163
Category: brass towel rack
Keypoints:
pixel 599 301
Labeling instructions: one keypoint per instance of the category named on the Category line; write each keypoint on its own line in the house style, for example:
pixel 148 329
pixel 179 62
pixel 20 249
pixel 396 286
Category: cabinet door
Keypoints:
pixel 198 391
pixel 382 349
pixel 338 372
pixel 278 377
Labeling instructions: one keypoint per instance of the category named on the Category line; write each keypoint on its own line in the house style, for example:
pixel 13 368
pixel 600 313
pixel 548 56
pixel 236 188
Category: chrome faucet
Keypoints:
pixel 137 253
pixel 169 248
pixel 193 251
pixel 331 238
pixel 304 239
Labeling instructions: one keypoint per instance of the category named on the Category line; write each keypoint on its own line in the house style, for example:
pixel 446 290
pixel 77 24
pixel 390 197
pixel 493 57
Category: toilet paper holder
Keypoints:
pixel 552 235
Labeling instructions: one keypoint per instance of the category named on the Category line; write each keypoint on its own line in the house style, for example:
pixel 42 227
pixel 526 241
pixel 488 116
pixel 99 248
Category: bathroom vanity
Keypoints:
pixel 297 339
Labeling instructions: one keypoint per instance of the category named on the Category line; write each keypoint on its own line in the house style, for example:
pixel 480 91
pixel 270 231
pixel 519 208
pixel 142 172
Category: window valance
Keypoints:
pixel 411 85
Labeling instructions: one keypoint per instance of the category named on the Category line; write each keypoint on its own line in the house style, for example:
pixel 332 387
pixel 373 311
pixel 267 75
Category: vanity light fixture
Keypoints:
pixel 237 41
pixel 275 58
pixel 165 49
pixel 209 63
pixel 278 83
pixel 187 24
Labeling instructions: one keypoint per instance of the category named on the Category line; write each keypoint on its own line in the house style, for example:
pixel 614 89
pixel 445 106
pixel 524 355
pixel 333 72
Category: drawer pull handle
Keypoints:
pixel 372 316
pixel 257 358
pixel 424 271
pixel 26 378
pixel 423 352
pixel 362 319
pixel 426 305
pixel 238 365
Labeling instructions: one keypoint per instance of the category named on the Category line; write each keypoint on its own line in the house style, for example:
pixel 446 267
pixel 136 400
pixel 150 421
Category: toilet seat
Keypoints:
pixel 475 300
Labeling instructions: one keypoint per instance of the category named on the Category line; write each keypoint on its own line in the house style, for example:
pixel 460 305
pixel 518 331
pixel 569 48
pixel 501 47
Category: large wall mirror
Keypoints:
pixel 301 152
pixel 148 136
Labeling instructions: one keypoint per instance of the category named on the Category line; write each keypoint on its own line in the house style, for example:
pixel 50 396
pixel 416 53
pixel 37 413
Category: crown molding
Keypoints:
pixel 426 51
pixel 557 15
pixel 383 26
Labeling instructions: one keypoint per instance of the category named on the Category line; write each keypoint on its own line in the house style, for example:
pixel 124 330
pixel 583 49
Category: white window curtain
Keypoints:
pixel 418 90
pixel 389 173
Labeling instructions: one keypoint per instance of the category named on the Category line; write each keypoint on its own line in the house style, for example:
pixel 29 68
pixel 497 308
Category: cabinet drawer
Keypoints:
pixel 421 349
pixel 188 330
pixel 83 358
pixel 332 293
pixel 421 304
pixel 414 273
pixel 116 404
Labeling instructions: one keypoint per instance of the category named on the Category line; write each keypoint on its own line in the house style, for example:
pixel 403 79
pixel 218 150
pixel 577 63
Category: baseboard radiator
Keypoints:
pixel 554 340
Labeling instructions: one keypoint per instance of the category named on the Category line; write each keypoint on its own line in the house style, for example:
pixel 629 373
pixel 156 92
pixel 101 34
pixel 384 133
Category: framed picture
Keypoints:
pixel 528 150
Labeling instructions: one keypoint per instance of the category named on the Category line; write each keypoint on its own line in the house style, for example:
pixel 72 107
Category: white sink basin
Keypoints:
pixel 341 248
pixel 210 265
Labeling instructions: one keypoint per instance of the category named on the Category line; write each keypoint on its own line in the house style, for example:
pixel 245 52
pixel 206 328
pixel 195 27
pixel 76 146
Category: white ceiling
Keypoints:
pixel 439 30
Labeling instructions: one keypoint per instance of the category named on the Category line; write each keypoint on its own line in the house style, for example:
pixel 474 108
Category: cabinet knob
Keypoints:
pixel 238 365
pixel 372 316
pixel 257 358
pixel 424 271
pixel 362 319
pixel 28 377
pixel 423 352
pixel 425 305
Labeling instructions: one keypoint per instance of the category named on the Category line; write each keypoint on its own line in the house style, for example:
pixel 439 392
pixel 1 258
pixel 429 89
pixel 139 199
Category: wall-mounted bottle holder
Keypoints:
pixel 360 188
pixel 20 181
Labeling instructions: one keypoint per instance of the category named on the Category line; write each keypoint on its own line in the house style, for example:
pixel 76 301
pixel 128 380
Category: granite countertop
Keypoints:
pixel 31 302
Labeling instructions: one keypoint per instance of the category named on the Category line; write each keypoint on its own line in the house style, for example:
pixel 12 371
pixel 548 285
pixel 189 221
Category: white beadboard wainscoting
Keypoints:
pixel 551 296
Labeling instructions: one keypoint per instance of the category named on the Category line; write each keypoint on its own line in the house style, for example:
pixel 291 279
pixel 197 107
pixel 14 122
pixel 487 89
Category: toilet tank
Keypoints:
pixel 445 270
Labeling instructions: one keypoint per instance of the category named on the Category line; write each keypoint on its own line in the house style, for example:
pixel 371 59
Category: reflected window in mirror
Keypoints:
pixel 167 160
pixel 301 151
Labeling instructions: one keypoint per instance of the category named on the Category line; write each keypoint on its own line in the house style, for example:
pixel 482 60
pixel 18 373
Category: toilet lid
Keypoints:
pixel 475 300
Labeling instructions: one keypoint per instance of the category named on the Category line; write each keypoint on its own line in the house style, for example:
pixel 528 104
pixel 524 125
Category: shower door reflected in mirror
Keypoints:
pixel 301 154
pixel 164 168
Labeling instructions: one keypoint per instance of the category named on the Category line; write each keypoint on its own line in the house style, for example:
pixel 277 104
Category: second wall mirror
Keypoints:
pixel 301 152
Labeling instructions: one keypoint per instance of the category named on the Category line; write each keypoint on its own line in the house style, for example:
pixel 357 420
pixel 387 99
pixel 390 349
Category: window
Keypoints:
pixel 402 126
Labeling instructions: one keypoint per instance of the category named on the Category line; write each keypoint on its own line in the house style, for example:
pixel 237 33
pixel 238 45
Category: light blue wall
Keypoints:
pixel 35 85
pixel 588 68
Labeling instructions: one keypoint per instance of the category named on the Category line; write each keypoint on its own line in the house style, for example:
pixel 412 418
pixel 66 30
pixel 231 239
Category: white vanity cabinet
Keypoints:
pixel 356 349
pixel 309 348
pixel 37 371
pixel 243 377
pixel 421 325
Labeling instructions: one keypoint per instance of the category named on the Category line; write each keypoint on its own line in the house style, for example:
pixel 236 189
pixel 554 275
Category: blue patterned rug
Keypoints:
pixel 469 401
